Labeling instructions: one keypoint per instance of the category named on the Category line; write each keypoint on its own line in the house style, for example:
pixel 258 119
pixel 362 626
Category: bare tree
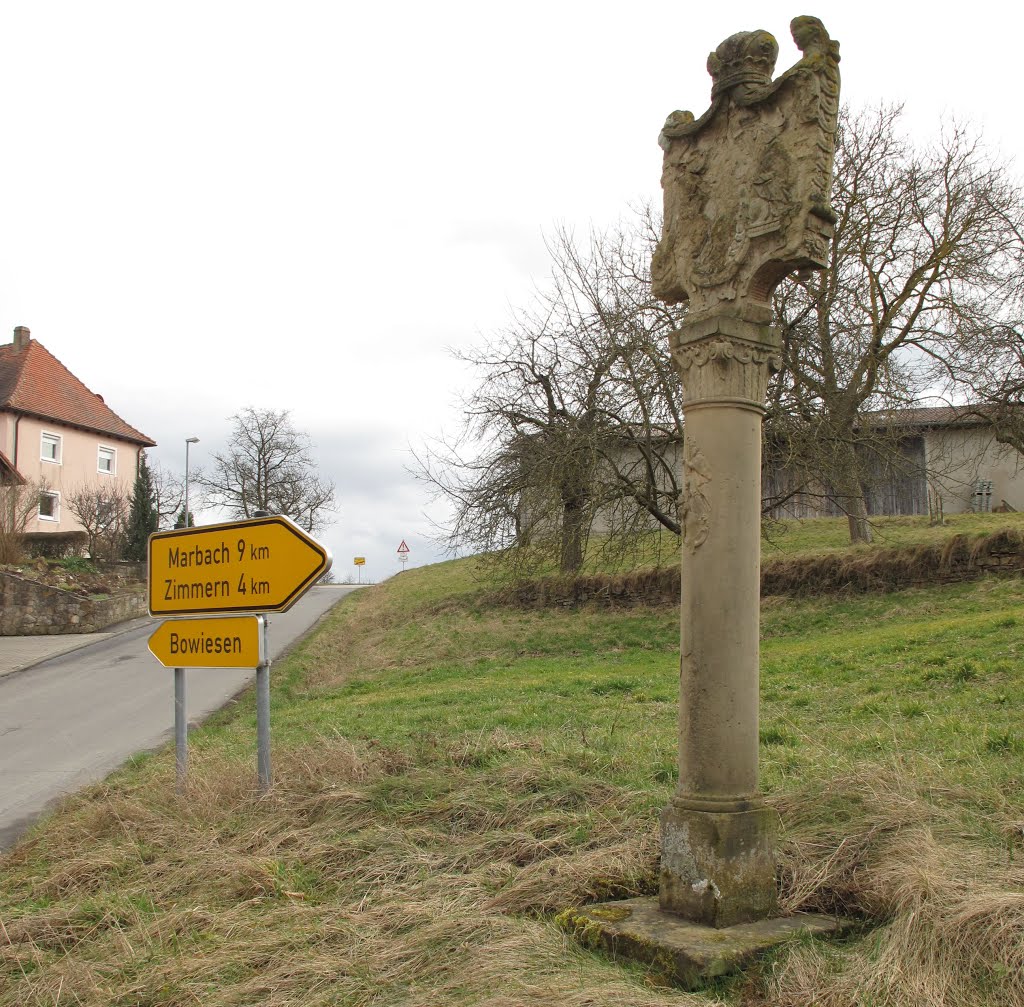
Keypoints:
pixel 576 416
pixel 993 383
pixel 19 501
pixel 268 466
pixel 168 494
pixel 926 268
pixel 102 511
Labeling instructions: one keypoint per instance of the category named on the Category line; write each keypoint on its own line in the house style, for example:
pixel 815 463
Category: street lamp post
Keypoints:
pixel 188 441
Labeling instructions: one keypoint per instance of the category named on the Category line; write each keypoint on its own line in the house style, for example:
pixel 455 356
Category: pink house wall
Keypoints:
pixel 78 467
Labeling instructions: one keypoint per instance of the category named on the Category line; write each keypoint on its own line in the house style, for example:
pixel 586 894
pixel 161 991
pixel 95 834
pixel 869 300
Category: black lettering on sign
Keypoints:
pixel 196 590
pixel 200 644
pixel 197 556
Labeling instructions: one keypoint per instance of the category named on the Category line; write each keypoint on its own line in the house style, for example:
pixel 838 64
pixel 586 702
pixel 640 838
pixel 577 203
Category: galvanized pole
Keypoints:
pixel 180 714
pixel 188 441
pixel 263 716
pixel 180 731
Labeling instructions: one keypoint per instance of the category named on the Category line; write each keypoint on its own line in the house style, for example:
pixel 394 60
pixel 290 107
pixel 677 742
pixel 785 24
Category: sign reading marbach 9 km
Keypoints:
pixel 262 565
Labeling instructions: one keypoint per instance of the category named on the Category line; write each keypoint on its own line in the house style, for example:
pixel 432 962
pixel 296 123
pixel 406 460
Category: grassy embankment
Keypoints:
pixel 450 775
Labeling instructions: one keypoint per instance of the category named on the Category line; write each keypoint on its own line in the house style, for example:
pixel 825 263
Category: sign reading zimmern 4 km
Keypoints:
pixel 260 565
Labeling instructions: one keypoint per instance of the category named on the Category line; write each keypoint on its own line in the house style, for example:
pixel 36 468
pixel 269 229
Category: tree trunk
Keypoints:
pixel 857 518
pixel 850 497
pixel 574 533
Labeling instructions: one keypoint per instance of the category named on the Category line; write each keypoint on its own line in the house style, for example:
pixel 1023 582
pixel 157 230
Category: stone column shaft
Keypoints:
pixel 719 623
pixel 717 861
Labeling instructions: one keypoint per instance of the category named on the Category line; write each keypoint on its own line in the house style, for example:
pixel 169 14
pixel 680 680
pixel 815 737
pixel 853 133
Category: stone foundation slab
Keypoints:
pixel 690 954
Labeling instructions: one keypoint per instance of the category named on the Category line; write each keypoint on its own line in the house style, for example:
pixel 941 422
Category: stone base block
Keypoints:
pixel 690 954
pixel 718 868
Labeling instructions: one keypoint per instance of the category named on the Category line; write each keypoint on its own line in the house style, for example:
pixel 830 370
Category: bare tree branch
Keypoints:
pixel 926 270
pixel 268 466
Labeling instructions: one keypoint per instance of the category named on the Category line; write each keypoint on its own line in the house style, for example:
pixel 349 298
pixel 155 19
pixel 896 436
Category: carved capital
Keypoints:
pixel 726 360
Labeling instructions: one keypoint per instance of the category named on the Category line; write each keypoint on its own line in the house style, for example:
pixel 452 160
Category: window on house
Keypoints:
pixel 50 451
pixel 107 460
pixel 49 506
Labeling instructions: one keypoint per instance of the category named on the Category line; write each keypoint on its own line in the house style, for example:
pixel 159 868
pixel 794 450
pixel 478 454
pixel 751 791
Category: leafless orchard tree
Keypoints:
pixel 924 283
pixel 102 511
pixel 168 494
pixel 994 384
pixel 269 466
pixel 576 415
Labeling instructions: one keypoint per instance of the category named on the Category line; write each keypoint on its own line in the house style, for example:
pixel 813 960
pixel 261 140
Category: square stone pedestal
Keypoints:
pixel 690 954
pixel 718 869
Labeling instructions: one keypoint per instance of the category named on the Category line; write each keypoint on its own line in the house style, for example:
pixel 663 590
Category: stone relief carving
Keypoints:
pixel 746 186
pixel 695 512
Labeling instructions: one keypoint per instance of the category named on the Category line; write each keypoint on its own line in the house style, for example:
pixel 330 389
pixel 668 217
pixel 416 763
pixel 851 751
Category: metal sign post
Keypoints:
pixel 263 718
pixel 180 732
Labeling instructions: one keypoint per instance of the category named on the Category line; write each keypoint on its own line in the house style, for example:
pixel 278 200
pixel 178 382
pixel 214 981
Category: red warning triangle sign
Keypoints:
pixel 403 547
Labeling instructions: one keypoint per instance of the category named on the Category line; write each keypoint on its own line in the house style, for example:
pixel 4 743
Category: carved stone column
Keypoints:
pixel 717 865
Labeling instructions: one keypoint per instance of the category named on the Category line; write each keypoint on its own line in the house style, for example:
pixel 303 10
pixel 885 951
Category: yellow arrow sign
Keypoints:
pixel 262 565
pixel 231 642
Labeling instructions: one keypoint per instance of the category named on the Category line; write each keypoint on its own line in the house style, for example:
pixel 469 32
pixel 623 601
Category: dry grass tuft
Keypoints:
pixel 361 879
pixel 617 871
pixel 949 912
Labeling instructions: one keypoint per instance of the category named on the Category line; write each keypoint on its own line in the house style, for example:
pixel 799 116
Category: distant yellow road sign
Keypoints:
pixel 261 565
pixel 360 561
pixel 229 642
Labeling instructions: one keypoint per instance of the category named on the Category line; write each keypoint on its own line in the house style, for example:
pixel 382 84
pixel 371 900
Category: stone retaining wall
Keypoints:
pixel 28 608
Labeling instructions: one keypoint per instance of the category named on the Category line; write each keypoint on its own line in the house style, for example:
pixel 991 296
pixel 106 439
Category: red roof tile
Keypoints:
pixel 34 381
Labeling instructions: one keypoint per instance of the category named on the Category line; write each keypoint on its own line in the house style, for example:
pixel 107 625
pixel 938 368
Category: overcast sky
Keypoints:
pixel 211 205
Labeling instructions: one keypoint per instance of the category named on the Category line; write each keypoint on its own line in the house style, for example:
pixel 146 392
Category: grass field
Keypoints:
pixel 449 776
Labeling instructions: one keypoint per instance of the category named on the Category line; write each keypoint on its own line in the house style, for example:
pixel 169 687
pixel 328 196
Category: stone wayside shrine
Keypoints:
pixel 746 190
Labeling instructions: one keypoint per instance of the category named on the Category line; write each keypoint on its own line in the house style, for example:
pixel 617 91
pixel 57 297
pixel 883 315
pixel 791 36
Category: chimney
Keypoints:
pixel 22 336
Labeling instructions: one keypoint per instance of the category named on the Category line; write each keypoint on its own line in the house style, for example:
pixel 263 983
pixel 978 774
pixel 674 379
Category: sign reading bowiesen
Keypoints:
pixel 227 642
pixel 261 565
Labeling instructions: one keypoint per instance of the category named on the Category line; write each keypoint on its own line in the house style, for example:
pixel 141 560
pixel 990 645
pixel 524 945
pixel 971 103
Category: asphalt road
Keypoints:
pixel 70 720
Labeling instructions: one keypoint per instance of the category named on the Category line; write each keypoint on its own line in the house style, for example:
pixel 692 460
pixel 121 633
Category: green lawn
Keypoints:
pixel 449 776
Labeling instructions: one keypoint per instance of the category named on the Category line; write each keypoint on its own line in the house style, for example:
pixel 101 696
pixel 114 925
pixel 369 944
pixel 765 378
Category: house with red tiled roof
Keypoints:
pixel 58 434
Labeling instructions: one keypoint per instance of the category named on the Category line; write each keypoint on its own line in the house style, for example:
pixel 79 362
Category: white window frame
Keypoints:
pixel 58 443
pixel 112 471
pixel 56 506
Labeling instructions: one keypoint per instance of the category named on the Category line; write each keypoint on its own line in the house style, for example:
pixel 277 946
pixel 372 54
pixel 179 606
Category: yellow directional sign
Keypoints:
pixel 262 565
pixel 360 561
pixel 228 642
